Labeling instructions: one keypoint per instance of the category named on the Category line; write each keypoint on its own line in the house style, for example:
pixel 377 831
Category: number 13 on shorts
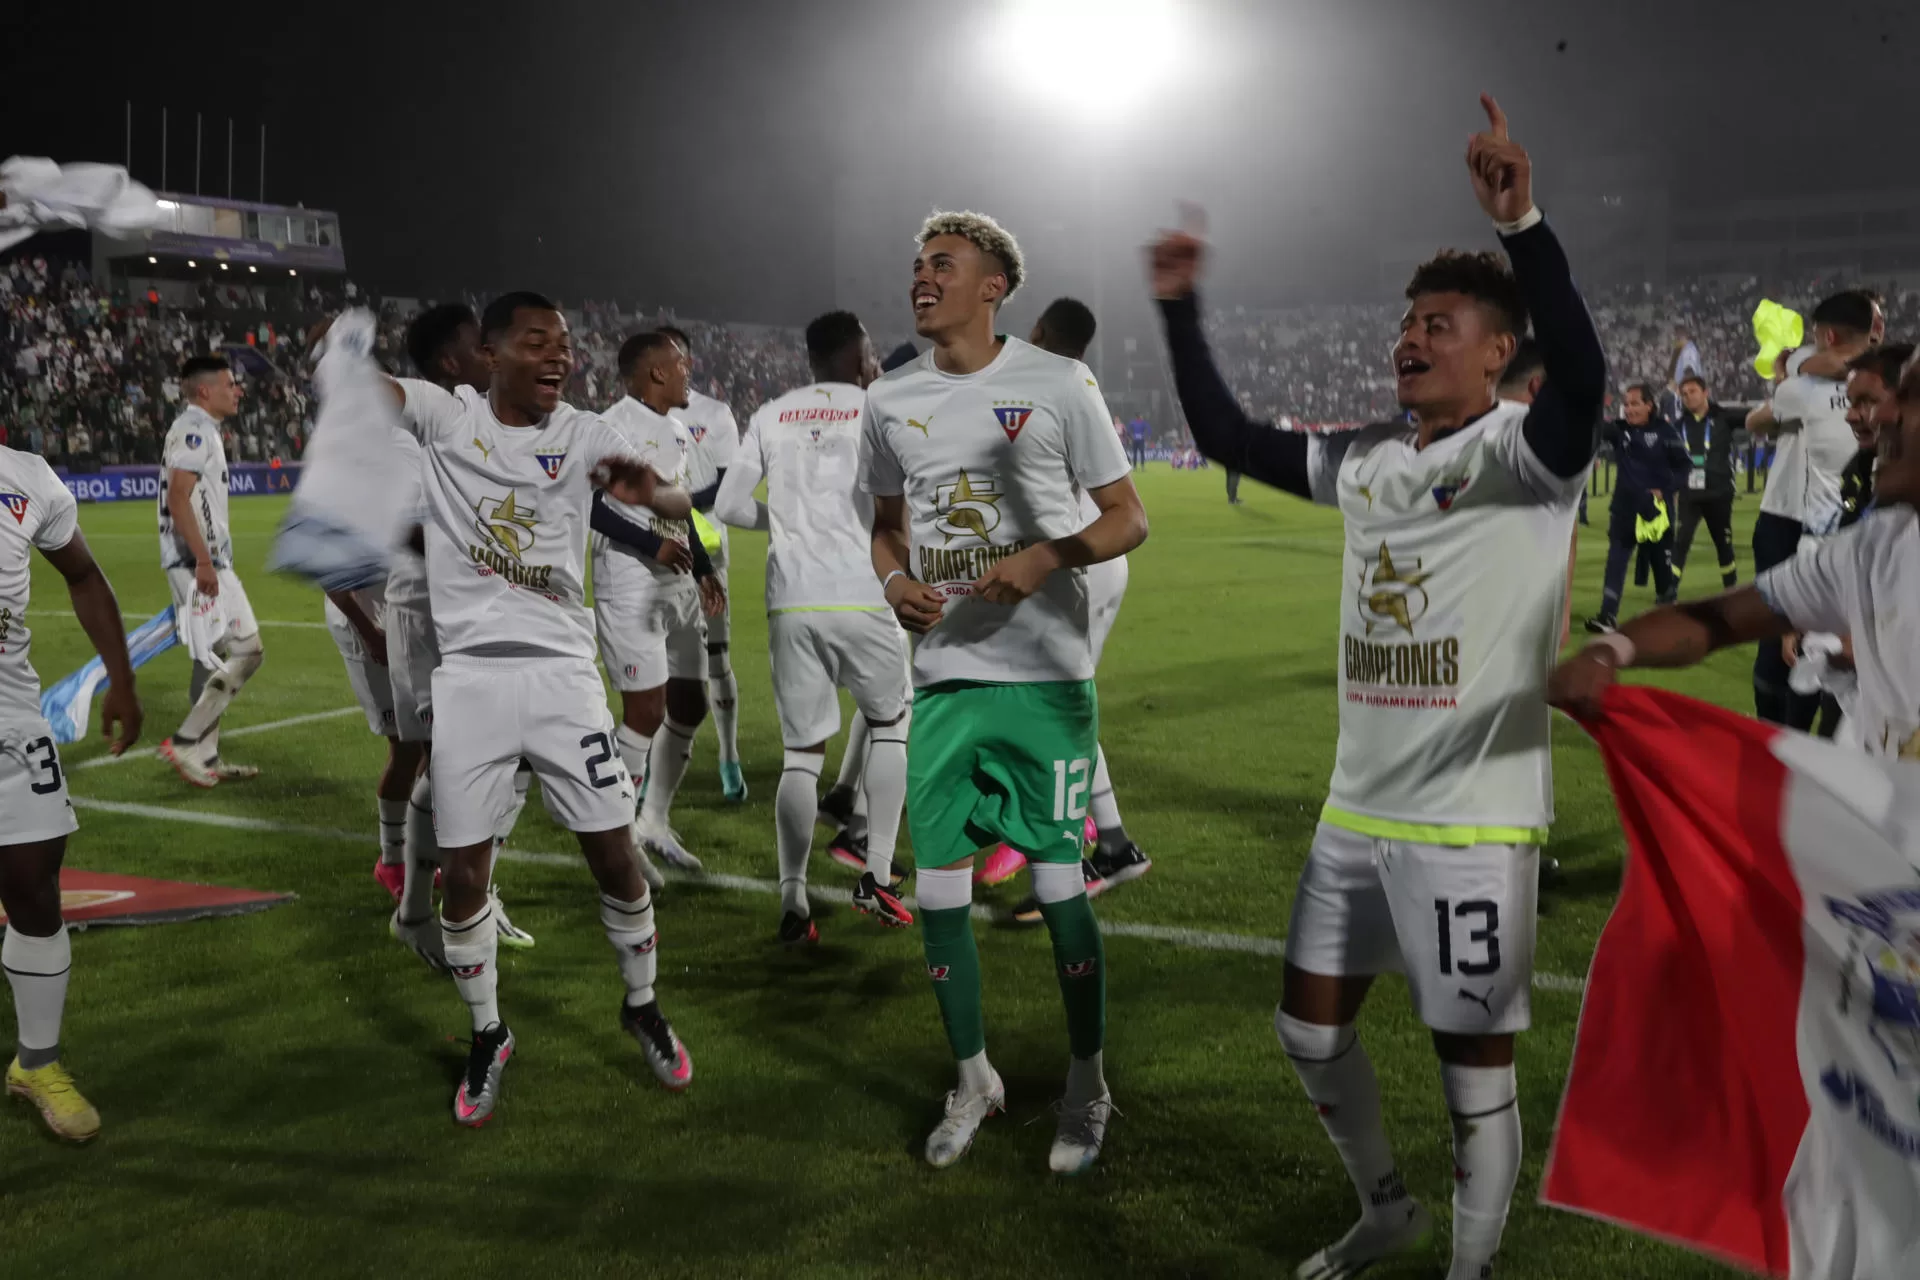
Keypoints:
pixel 1072 780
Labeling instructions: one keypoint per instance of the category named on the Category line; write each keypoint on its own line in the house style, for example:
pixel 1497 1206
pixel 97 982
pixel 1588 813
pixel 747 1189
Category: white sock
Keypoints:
pixel 1486 1161
pixel 666 766
pixel 393 831
pixel 1104 808
pixel 37 971
pixel 243 659
pixel 422 852
pixel 854 758
pixel 1340 1084
pixel 630 929
pixel 885 794
pixel 472 947
pixel 1086 1079
pixel 634 749
pixel 976 1075
pixel 723 691
pixel 522 779
pixel 793 812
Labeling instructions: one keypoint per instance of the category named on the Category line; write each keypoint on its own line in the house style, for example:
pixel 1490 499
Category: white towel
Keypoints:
pixel 97 197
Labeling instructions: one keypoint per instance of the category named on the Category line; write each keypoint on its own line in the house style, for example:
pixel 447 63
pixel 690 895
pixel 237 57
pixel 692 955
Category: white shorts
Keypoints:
pixel 33 786
pixel 412 654
pixel 817 653
pixel 233 603
pixel 1106 587
pixel 648 637
pixel 1458 921
pixel 369 680
pixel 553 712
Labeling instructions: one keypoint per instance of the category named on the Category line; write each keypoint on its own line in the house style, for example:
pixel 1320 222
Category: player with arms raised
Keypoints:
pixel 1453 593
pixel 35 815
pixel 976 454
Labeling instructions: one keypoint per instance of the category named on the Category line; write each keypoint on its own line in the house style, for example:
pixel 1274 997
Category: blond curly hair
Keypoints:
pixel 984 234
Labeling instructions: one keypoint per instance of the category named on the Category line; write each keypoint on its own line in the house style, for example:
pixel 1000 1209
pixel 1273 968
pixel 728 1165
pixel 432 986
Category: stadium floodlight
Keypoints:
pixel 152 261
pixel 192 263
pixel 1091 58
pixel 223 266
pixel 252 270
pixel 292 272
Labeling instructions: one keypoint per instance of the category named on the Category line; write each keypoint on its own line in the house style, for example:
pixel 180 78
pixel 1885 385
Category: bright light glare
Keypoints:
pixel 1094 58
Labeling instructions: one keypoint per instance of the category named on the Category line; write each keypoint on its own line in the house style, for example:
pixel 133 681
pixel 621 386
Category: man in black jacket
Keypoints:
pixel 1650 463
pixel 1708 495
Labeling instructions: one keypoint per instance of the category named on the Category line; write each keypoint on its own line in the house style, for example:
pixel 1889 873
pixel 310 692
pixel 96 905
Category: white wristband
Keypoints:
pixel 1530 218
pixel 1618 646
pixel 888 580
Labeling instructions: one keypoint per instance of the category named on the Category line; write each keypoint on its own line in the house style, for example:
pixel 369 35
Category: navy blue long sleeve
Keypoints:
pixel 1563 426
pixel 1221 429
pixel 604 519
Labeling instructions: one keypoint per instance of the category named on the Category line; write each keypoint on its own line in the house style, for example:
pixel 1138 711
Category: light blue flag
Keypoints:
pixel 68 705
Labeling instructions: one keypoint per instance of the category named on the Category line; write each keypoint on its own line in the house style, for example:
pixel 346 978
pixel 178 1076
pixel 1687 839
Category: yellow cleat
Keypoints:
pixel 51 1089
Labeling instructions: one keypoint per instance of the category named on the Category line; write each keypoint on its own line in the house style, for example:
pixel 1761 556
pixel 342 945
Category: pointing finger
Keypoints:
pixel 1496 118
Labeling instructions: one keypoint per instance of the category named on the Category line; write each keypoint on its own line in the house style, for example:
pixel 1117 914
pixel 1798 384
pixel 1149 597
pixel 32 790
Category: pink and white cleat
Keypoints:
pixel 1000 866
pixel 479 1091
pixel 672 1064
pixel 392 877
pixel 1090 834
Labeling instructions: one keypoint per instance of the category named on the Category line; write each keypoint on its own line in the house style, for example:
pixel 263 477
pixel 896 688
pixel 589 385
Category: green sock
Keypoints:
pixel 1081 959
pixel 953 962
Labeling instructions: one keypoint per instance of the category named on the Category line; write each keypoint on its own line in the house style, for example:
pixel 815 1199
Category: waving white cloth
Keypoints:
pixel 96 197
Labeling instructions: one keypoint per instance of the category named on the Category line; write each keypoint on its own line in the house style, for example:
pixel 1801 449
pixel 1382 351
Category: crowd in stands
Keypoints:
pixel 87 376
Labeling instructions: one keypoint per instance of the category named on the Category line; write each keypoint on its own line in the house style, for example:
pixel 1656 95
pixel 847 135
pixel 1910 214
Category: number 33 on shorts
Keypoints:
pixel 33 787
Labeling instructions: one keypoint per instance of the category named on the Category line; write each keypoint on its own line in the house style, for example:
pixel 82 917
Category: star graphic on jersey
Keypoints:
pixel 967 507
pixel 1392 595
pixel 1366 493
pixel 920 426
pixel 1910 746
pixel 507 524
pixel 486 454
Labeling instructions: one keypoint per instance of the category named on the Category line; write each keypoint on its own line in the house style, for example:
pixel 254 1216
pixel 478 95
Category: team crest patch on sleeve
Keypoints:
pixel 193 440
pixel 699 433
pixel 551 463
pixel 1450 488
pixel 1013 415
pixel 16 505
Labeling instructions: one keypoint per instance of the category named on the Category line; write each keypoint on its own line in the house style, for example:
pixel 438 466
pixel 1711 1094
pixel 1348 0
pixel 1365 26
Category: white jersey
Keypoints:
pixel 806 446
pixel 407 572
pixel 991 463
pixel 714 435
pixel 1454 580
pixel 507 512
pixel 662 441
pixel 36 510
pixel 1812 413
pixel 194 444
pixel 1859 583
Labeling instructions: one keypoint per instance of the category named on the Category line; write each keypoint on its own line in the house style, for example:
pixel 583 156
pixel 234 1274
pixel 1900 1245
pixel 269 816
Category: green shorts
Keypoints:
pixel 988 763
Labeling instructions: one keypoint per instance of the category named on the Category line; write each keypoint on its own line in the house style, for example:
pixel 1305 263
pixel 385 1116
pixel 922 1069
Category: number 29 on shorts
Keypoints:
pixel 1072 779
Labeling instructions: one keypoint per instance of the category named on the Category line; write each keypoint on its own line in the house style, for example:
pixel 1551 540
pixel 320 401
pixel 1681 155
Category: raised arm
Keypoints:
pixel 1221 429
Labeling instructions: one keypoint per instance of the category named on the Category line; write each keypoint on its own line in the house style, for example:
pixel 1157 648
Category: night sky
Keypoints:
pixel 743 160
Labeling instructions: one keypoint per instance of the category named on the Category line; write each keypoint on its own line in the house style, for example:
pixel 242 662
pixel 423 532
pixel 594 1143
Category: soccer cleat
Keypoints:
pixel 51 1089
pixel 1027 910
pixel 733 786
pixel 797 930
pixel 187 764
pixel 423 936
pixel 964 1116
pixel 1000 866
pixel 665 842
pixel 836 807
pixel 1117 867
pixel 849 850
pixel 1602 624
pixel 232 772
pixel 392 877
pixel 479 1091
pixel 672 1064
pixel 1078 1134
pixel 1371 1240
pixel 1090 833
pixel 883 904
pixel 511 934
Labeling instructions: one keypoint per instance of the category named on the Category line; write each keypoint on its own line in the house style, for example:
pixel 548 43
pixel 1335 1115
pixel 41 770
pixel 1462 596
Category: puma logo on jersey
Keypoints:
pixel 822 391
pixel 486 454
pixel 1366 493
pixel 920 426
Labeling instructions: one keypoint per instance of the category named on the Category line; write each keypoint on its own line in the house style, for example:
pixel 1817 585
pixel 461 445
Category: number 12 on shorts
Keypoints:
pixel 1486 938
pixel 1072 779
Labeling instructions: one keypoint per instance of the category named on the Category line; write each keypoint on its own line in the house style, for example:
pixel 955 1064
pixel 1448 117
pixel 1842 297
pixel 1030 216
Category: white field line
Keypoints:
pixel 143 753
pixel 1201 939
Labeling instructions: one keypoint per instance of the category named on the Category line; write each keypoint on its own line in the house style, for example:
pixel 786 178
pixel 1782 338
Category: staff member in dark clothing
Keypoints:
pixel 1650 464
pixel 1708 496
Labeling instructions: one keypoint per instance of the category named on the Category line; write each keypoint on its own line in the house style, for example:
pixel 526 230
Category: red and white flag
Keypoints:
pixel 1747 1076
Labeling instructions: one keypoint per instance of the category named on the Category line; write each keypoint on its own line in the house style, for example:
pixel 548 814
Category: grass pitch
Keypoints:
pixel 276 1088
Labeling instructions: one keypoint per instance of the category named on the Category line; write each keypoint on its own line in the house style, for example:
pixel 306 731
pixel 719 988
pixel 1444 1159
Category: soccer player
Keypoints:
pixel 1066 328
pixel 35 815
pixel 443 344
pixel 1808 416
pixel 976 454
pixel 828 624
pixel 508 484
pixel 648 608
pixel 714 436
pixel 196 550
pixel 1452 599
